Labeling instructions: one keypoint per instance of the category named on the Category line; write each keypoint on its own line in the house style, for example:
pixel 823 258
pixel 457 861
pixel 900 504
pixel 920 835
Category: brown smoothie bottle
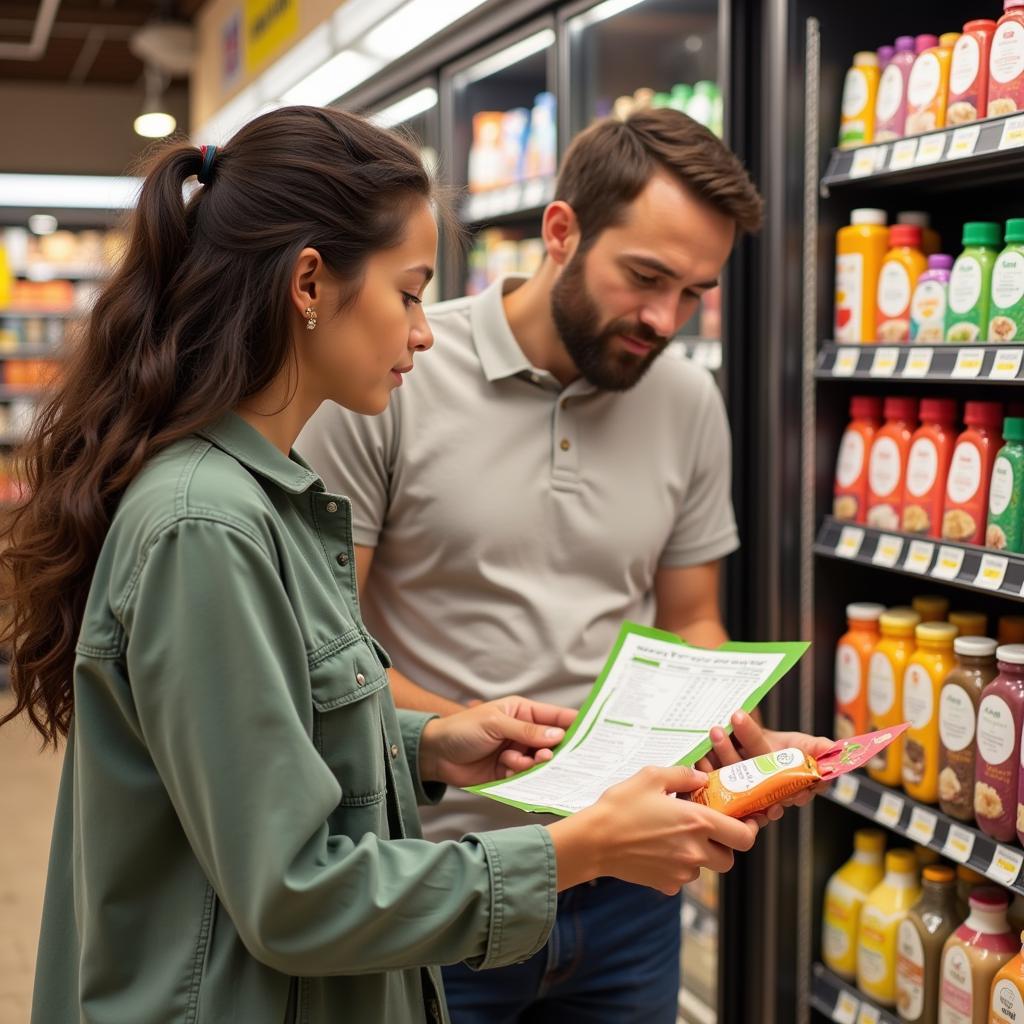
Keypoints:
pixel 1000 718
pixel 958 714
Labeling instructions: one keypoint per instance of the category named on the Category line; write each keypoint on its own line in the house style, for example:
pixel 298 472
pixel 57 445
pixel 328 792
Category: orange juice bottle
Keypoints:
pixel 885 688
pixel 860 249
pixel 904 263
pixel 857 123
pixel 853 652
pixel 925 673
pixel 1007 996
pixel 928 86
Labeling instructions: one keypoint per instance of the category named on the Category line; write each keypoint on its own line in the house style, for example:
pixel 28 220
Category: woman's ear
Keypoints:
pixel 307 281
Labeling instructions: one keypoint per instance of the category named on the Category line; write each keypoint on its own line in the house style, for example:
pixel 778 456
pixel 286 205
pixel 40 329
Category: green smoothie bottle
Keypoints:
pixel 970 284
pixel 1006 491
pixel 1006 312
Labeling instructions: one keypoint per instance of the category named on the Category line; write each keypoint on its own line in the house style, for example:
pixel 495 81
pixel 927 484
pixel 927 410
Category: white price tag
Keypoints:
pixel 888 550
pixel 1013 133
pixel 919 362
pixel 959 844
pixel 889 810
pixel 968 362
pixel 844 790
pixel 1006 865
pixel 846 1008
pixel 919 557
pixel 884 363
pixel 948 563
pixel 903 154
pixel 864 162
pixel 963 141
pixel 1007 363
pixel 846 362
pixel 922 826
pixel 868 1014
pixel 930 150
pixel 991 572
pixel 850 540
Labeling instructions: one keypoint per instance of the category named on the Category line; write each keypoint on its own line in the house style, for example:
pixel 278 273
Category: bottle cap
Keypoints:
pixel 865 407
pixel 1015 229
pixel 980 25
pixel 1010 629
pixel 1012 654
pixel 966 874
pixel 938 410
pixel 905 234
pixel 939 873
pixel 899 621
pixel 901 861
pixel 948 39
pixel 869 840
pixel 1013 428
pixel 981 232
pixel 869 215
pixel 974 646
pixel 927 40
pixel 901 408
pixel 919 218
pixel 1009 4
pixel 904 44
pixel 885 54
pixel 969 623
pixel 936 633
pixel 864 611
pixel 988 897
pixel 940 261
pixel 931 607
pixel 862 59
pixel 984 414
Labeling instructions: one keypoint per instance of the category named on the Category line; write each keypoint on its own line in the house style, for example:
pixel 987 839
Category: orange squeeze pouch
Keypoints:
pixel 751 787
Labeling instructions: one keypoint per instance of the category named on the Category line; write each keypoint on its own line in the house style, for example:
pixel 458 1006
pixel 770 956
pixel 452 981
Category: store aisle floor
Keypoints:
pixel 28 793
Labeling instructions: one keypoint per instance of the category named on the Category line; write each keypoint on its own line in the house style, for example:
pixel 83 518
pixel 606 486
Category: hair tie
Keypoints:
pixel 205 174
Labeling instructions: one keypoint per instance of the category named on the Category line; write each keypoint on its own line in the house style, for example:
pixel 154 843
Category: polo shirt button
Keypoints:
pixel 343 559
pixel 360 679
pixel 394 750
pixel 565 445
pixel 332 506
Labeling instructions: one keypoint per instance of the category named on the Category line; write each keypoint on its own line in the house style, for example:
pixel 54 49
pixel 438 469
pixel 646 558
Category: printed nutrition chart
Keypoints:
pixel 653 704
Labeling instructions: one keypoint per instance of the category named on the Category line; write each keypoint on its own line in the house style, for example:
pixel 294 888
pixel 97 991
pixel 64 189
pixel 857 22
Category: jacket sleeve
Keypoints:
pixel 428 791
pixel 219 677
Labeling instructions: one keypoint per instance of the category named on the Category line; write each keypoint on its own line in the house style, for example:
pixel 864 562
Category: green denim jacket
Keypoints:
pixel 236 839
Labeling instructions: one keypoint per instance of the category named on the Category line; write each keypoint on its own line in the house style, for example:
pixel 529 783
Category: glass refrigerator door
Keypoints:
pixel 500 123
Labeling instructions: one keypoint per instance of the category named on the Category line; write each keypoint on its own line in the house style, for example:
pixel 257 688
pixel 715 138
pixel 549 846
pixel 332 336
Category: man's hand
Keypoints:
pixel 491 741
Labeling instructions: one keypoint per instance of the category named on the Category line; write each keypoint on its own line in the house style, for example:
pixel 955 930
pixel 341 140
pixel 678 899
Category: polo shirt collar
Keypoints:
pixel 246 444
pixel 496 345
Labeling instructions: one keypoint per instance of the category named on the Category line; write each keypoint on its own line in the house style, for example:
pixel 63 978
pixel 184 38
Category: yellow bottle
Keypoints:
pixel 844 896
pixel 885 688
pixel 886 906
pixel 931 607
pixel 925 673
pixel 857 123
pixel 970 623
pixel 860 248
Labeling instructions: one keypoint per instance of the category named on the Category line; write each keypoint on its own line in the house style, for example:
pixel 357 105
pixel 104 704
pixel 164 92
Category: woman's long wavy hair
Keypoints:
pixel 195 319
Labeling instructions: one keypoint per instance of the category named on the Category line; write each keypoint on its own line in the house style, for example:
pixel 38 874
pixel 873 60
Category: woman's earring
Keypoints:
pixel 310 316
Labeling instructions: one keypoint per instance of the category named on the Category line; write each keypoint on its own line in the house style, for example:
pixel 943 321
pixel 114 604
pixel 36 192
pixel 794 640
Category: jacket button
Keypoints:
pixel 343 559
pixel 394 750
pixel 360 679
pixel 332 506
pixel 565 445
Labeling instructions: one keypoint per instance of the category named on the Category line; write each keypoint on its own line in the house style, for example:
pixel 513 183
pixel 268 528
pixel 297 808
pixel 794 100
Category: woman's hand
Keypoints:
pixel 491 740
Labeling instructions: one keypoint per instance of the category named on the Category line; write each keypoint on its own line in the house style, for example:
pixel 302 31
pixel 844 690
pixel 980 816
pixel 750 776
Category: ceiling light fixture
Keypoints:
pixel 154 122
pixel 406 108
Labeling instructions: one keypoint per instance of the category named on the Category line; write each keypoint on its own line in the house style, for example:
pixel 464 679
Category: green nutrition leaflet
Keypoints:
pixel 653 704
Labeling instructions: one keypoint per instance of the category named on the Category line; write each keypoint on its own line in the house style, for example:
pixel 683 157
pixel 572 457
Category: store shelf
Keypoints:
pixel 38 314
pixel 842 1003
pixel 972 154
pixel 518 200
pixel 982 570
pixel 38 271
pixel 928 826
pixel 950 364
pixel 30 352
pixel 9 394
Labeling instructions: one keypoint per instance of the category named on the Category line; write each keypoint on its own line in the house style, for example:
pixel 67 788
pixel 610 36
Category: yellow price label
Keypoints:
pixel 930 149
pixel 959 844
pixel 850 540
pixel 919 362
pixel 868 1014
pixel 1007 363
pixel 844 790
pixel 890 810
pixel 963 142
pixel 888 550
pixel 1006 865
pixel 903 154
pixel 1013 133
pixel 949 562
pixel 919 557
pixel 968 362
pixel 884 363
pixel 922 826
pixel 992 572
pixel 864 162
pixel 846 362
pixel 846 1008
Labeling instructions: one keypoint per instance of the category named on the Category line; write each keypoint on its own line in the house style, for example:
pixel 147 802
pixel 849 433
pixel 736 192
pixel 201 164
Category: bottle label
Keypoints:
pixel 855 92
pixel 928 311
pixel 1006 61
pixel 847 674
pixel 956 718
pixel 965 65
pixel 1002 486
pixel 955 999
pixel 894 289
pixel 995 730
pixel 1007 1004
pixel 849 305
pixel 850 463
pixel 965 285
pixel 925 77
pixel 909 971
pixel 922 467
pixel 881 685
pixel 747 775
pixel 884 467
pixel 840 924
pixel 1008 279
pixel 918 699
pixel 890 94
pixel 964 473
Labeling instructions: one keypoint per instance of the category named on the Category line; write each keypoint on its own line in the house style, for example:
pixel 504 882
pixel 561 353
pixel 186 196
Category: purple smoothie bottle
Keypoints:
pixel 885 54
pixel 928 306
pixel 891 102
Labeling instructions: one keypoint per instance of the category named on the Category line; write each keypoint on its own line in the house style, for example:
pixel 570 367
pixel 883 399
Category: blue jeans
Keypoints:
pixel 612 958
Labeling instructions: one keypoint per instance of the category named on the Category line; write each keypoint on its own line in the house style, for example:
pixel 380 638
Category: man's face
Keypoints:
pixel 617 305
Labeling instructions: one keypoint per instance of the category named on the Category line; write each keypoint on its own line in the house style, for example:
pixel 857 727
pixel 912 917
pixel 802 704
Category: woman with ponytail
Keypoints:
pixel 236 836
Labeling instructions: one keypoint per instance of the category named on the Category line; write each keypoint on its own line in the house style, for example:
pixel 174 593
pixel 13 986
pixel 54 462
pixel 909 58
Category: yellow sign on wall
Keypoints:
pixel 270 25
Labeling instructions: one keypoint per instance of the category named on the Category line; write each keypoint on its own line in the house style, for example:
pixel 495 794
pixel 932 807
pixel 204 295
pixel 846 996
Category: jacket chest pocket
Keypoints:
pixel 348 686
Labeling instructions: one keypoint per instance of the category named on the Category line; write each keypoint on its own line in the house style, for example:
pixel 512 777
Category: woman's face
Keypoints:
pixel 358 357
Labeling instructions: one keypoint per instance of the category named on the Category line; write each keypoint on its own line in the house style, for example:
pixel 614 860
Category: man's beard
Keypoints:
pixel 593 349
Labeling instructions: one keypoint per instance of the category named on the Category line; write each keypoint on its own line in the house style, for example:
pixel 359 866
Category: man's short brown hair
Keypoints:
pixel 607 166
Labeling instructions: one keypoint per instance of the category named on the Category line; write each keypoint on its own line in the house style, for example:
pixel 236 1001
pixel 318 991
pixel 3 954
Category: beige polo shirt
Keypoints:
pixel 518 523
